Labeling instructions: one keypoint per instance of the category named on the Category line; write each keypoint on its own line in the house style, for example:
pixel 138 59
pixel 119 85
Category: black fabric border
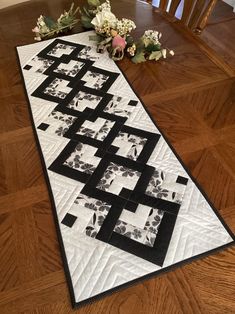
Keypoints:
pixel 59 235
pixel 160 246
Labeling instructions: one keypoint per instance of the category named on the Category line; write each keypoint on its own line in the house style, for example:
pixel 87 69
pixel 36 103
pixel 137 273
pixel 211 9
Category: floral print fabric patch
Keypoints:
pixel 146 236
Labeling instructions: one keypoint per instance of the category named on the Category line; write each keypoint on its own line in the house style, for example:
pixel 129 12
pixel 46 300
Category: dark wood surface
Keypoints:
pixel 192 97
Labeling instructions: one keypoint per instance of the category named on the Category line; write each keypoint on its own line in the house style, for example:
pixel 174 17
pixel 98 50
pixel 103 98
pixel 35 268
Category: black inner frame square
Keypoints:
pixel 59 167
pixel 155 254
pixel 112 76
pixel 74 53
pixel 138 193
pixel 105 98
pixel 65 59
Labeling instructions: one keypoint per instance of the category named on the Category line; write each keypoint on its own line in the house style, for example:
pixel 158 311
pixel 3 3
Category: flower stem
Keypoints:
pixel 59 29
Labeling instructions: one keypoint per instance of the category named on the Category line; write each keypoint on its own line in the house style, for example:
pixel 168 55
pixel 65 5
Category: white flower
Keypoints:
pixel 152 36
pixel 125 26
pixel 38 38
pixel 151 33
pixel 104 6
pixel 132 50
pixel 103 17
pixel 171 52
pixel 164 53
pixel 41 21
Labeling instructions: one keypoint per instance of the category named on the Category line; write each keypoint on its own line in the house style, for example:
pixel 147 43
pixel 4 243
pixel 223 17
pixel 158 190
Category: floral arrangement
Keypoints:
pixel 112 34
pixel 47 27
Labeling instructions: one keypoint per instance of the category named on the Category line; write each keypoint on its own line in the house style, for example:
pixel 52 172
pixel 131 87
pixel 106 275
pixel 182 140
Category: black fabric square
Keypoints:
pixel 125 193
pixel 113 149
pixel 133 103
pixel 69 220
pixel 43 126
pixel 27 67
pixel 182 180
pixel 131 206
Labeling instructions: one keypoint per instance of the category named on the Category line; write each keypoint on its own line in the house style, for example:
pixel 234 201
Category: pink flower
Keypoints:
pixel 35 29
pixel 119 42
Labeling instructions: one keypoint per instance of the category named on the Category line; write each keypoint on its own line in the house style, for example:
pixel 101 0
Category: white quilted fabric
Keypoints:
pixel 96 266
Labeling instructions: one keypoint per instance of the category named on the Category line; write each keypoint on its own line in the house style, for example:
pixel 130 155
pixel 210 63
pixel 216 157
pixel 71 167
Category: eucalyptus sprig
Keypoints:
pixel 47 27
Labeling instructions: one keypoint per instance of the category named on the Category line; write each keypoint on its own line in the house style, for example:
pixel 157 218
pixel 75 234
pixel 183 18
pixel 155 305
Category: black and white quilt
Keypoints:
pixel 125 206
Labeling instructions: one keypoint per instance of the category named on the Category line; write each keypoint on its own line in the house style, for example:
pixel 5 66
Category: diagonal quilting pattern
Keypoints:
pixel 126 206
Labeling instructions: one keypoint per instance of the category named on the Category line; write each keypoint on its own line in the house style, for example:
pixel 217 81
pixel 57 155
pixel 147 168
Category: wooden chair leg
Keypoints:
pixel 204 18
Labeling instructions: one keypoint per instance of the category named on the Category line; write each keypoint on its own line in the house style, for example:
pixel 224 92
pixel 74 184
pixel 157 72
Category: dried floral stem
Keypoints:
pixel 60 29
pixel 47 27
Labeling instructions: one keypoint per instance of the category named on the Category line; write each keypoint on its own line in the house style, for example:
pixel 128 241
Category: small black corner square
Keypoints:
pixel 69 220
pixel 133 103
pixel 100 153
pixel 43 126
pixel 131 206
pixel 182 180
pixel 27 67
pixel 113 149
pixel 125 193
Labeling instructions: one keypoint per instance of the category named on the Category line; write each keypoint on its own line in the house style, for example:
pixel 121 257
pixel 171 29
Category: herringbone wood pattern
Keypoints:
pixel 192 97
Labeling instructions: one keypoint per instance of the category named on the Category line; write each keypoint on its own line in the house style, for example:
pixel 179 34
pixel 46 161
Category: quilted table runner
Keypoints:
pixel 124 205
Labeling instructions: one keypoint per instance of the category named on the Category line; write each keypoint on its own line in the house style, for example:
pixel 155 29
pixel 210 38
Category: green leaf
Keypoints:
pixel 155 55
pixel 152 47
pixel 93 3
pixel 66 21
pixel 129 40
pixel 139 57
pixel 50 23
pixel 86 21
pixel 140 46
pixel 86 11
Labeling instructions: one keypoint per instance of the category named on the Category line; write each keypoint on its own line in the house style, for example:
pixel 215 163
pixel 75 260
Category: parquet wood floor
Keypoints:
pixel 192 97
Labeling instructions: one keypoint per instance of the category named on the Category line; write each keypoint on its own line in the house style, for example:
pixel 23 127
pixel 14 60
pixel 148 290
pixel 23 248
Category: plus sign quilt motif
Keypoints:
pixel 125 207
